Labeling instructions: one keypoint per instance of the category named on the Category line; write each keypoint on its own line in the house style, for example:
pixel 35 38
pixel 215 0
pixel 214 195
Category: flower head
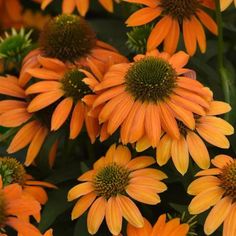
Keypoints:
pixel 15 206
pixel 148 95
pixel 108 187
pixel 161 228
pixel 189 14
pixel 12 171
pixel 13 113
pixel 216 187
pixel 208 127
pixel 65 86
pixel 70 39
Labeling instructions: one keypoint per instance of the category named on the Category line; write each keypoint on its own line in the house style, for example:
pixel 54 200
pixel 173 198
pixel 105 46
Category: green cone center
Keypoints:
pixel 73 85
pixel 228 180
pixel 11 171
pixel 111 180
pixel 150 79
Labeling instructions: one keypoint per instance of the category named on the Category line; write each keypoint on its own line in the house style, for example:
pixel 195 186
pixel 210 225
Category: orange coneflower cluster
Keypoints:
pixel 175 16
pixel 107 190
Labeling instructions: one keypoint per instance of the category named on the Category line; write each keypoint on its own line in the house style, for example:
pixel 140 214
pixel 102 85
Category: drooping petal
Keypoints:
pixel 180 155
pixel 198 150
pixel 82 205
pixel 113 216
pixel 130 211
pixel 217 215
pixel 96 215
pixel 205 200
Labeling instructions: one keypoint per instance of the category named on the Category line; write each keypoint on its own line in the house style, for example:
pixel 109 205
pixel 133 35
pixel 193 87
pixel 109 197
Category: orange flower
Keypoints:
pixel 10 13
pixel 162 228
pixel 70 39
pixel 82 6
pixel 13 171
pixel 59 81
pixel 114 178
pixel 13 113
pixel 226 3
pixel 14 206
pixel 188 14
pixel 149 94
pixel 35 19
pixel 209 127
pixel 216 187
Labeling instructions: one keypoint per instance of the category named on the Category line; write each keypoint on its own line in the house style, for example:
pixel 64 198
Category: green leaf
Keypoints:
pixel 81 226
pixel 56 205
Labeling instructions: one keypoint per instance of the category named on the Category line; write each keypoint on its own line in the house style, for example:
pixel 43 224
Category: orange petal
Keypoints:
pixel 152 124
pixel 113 216
pixel 205 200
pixel 43 86
pixel 36 145
pixel 201 184
pixel 212 171
pixel 149 172
pixel 82 6
pixel 218 108
pixel 8 105
pixel 82 205
pixel 107 4
pixel 180 155
pixel 184 115
pixel 61 113
pixel 217 215
pixel 163 151
pixel 51 63
pixel 143 16
pixel 212 136
pixel 42 73
pixel 22 227
pixel 119 114
pixel 143 194
pixel 207 21
pixel 96 215
pixel 223 126
pixel 14 118
pixel 140 162
pixel 122 155
pixel 159 32
pixel 198 150
pixel 229 223
pixel 145 231
pixel 77 120
pixel 23 137
pixel 221 161
pixel 80 190
pixel 168 121
pixel 190 40
pixel 200 34
pixel 130 211
pixel 43 100
pixel 172 38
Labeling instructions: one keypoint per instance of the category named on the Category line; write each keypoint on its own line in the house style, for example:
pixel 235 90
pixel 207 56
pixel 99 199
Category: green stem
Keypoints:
pixel 221 68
